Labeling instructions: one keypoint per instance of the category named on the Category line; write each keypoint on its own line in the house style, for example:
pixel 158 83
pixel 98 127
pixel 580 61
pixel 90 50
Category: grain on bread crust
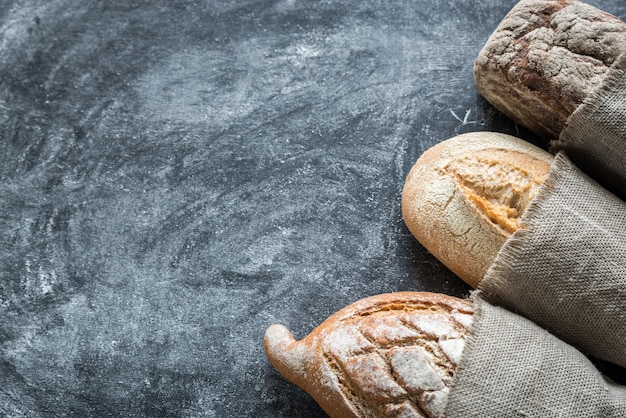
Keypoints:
pixel 545 58
pixel 464 197
pixel 388 355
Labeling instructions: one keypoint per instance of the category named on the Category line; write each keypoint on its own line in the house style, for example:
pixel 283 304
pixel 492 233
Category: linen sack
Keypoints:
pixel 558 284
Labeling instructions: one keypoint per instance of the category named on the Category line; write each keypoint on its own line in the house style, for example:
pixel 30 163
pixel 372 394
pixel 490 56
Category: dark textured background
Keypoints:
pixel 177 176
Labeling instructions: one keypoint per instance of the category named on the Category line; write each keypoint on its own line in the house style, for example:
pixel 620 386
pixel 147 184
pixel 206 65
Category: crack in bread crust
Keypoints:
pixel 498 189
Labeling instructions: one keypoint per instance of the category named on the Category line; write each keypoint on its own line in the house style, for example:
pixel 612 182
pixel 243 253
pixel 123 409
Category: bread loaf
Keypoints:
pixel 463 197
pixel 390 355
pixel 545 58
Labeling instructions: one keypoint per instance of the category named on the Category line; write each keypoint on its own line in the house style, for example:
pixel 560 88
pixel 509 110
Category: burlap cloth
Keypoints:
pixel 595 135
pixel 565 268
pixel 513 368
pixel 562 281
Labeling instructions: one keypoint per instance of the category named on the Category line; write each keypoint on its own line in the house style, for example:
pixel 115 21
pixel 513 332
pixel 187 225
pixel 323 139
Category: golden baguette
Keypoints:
pixel 391 355
pixel 464 197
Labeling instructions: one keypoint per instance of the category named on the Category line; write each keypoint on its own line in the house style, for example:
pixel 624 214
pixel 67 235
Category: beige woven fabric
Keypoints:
pixel 595 135
pixel 565 268
pixel 513 368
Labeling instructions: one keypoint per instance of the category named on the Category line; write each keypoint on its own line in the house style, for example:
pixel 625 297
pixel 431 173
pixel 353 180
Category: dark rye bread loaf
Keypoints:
pixel 545 58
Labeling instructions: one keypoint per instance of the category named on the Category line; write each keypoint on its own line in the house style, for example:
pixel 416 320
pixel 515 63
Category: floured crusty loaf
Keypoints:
pixel 545 58
pixel 464 197
pixel 390 355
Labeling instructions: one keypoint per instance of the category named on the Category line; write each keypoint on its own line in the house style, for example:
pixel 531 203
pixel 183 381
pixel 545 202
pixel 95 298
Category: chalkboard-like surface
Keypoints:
pixel 177 176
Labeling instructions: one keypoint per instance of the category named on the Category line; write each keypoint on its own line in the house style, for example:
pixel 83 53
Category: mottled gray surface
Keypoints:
pixel 177 176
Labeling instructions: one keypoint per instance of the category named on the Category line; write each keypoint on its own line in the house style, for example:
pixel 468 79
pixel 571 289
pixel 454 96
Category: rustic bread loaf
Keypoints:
pixel 390 355
pixel 545 58
pixel 463 197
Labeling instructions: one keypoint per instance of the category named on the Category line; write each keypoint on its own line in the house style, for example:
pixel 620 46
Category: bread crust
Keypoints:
pixel 463 197
pixel 545 58
pixel 383 356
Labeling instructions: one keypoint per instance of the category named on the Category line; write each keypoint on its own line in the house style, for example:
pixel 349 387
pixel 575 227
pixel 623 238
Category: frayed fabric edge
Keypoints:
pixel 471 340
pixel 513 249
pixel 616 75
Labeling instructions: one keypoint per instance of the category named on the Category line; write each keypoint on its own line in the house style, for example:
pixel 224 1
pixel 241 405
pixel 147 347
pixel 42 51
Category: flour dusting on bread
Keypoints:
pixel 464 197
pixel 390 355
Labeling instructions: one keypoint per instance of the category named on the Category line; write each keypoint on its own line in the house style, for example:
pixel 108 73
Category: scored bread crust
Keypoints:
pixel 390 355
pixel 463 197
pixel 545 58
